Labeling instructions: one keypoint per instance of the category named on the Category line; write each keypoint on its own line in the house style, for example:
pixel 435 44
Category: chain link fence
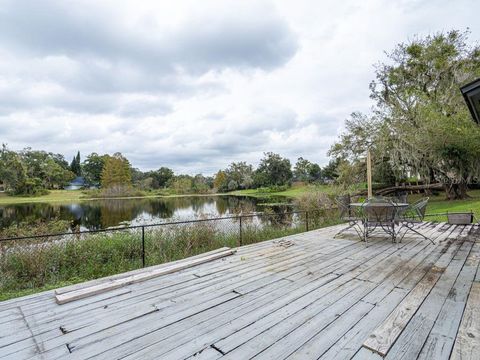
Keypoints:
pixel 32 263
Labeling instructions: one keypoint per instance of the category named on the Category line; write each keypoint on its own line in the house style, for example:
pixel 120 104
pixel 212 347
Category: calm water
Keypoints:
pixel 116 212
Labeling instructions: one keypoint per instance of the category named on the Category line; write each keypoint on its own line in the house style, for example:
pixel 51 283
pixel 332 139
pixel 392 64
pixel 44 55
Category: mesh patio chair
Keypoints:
pixel 413 215
pixel 379 213
pixel 353 216
pixel 399 198
pixel 402 197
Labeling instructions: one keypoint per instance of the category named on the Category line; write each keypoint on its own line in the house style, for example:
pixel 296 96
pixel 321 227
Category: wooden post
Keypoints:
pixel 369 174
pixel 143 246
pixel 240 237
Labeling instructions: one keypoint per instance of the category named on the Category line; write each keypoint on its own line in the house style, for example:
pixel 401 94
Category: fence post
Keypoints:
pixel 143 246
pixel 240 232
pixel 306 220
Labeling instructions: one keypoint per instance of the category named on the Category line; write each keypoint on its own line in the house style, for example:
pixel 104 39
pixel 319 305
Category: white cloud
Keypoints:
pixel 195 85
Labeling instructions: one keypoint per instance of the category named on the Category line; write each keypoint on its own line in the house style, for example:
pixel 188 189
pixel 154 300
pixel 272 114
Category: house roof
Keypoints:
pixel 79 180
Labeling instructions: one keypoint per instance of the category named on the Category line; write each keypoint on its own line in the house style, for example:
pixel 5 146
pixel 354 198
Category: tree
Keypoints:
pixel 53 175
pixel 241 174
pixel 330 170
pixel 117 171
pixel 418 98
pixel 363 133
pixel 220 182
pixel 13 173
pixel 273 170
pixel 315 172
pixel 420 124
pixel 182 184
pixel 138 176
pixel 199 184
pixel 162 176
pixel 93 167
pixel 32 172
pixel 75 166
pixel 78 166
pixel 303 170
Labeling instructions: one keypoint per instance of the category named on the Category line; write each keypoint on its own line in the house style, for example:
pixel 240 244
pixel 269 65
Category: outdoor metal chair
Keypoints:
pixel 399 198
pixel 353 216
pixel 413 215
pixel 379 213
pixel 402 197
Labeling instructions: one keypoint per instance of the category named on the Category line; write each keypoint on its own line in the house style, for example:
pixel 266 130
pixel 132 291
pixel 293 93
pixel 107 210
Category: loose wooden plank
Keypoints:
pixel 90 283
pixel 115 284
pixel 467 343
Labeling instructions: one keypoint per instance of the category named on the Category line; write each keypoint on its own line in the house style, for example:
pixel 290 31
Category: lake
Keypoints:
pixel 100 214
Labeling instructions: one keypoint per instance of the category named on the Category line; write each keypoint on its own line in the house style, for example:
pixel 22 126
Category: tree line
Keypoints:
pixel 34 172
pixel 272 171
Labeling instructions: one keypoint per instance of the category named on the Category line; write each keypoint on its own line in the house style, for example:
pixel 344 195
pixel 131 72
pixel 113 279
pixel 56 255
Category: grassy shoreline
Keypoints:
pixel 437 203
pixel 292 192
pixel 68 196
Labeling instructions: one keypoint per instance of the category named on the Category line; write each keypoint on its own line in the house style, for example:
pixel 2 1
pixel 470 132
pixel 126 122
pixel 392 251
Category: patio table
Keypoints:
pixel 398 208
pixel 397 205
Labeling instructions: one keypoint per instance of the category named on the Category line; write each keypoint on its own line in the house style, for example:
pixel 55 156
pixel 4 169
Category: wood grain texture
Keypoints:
pixel 385 335
pixel 138 277
pixel 320 297
pixel 467 343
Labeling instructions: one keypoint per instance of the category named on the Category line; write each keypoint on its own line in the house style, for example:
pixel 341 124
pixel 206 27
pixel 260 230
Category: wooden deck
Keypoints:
pixel 306 296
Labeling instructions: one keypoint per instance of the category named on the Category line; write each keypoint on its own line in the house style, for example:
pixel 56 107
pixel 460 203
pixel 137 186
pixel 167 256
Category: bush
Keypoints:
pixel 321 209
pixel 35 227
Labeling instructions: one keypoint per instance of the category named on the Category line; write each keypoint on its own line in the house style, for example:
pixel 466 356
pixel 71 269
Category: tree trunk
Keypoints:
pixel 454 191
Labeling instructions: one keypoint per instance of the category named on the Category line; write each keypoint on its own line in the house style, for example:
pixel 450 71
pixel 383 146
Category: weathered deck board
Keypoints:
pixel 442 336
pixel 304 296
pixel 467 343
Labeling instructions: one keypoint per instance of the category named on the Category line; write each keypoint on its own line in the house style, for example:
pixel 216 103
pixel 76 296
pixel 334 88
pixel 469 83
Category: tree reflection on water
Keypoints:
pixel 100 214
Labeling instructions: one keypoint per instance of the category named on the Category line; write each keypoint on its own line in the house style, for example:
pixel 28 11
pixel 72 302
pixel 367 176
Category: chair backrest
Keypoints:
pixel 379 211
pixel 343 203
pixel 420 207
pixel 402 197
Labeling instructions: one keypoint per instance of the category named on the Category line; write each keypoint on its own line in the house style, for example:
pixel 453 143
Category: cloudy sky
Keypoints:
pixel 194 85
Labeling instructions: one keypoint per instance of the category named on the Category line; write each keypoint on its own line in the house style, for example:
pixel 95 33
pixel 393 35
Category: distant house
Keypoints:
pixel 76 184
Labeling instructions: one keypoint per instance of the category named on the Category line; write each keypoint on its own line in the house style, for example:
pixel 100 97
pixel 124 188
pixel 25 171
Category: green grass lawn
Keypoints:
pixel 292 192
pixel 68 196
pixel 53 196
pixel 438 204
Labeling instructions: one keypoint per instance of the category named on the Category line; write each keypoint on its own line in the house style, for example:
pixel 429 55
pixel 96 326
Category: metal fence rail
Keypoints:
pixel 239 224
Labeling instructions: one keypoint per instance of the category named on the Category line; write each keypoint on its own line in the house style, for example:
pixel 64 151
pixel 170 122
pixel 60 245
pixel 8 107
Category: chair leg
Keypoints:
pixel 419 233
pixel 395 237
pixel 399 230
pixel 365 235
